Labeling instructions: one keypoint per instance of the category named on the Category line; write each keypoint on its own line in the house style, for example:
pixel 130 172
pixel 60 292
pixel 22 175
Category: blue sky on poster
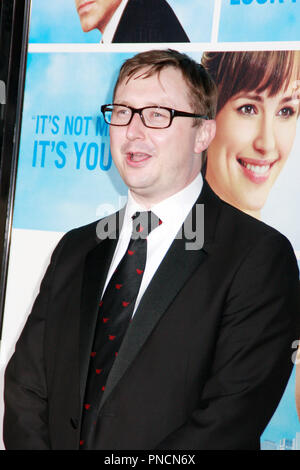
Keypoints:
pixel 250 20
pixel 67 196
pixel 58 22
pixel 285 422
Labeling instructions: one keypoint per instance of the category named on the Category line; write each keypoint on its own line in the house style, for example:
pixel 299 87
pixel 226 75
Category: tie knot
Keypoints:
pixel 144 223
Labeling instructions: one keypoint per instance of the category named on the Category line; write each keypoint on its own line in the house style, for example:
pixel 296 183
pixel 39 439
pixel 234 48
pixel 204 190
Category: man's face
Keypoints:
pixel 156 163
pixel 95 14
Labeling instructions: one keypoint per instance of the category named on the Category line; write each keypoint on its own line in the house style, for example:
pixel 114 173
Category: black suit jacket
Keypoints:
pixel 149 21
pixel 203 364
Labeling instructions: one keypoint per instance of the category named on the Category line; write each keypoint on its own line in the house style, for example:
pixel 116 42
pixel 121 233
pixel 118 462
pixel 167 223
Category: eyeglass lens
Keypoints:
pixel 153 116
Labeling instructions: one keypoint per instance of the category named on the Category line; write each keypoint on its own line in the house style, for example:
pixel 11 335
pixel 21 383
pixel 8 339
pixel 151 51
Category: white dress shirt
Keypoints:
pixel 172 212
pixel 112 25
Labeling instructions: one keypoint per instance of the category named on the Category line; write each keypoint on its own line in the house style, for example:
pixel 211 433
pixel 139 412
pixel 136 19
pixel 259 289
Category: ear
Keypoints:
pixel 205 134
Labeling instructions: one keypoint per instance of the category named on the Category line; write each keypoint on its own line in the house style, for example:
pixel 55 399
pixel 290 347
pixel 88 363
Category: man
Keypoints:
pixel 204 355
pixel 131 20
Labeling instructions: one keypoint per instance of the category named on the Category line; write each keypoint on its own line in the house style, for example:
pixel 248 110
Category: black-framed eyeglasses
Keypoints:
pixel 155 117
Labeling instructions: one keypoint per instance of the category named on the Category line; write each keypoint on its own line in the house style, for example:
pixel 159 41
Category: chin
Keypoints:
pixel 87 26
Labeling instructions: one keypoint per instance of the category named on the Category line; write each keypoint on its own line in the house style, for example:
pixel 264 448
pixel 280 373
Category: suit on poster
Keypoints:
pixel 207 356
pixel 144 21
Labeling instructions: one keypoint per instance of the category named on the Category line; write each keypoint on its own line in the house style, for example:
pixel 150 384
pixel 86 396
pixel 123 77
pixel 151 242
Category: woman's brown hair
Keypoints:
pixel 238 71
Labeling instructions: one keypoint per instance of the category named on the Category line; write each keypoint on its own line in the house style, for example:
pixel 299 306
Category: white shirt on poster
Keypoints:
pixel 112 25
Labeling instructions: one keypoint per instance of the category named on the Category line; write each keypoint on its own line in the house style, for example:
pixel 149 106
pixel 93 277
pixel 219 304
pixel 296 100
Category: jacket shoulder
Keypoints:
pixel 239 232
pixel 247 232
pixel 77 242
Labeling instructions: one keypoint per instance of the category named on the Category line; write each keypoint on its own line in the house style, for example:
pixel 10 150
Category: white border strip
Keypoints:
pixel 297 253
pixel 216 22
pixel 108 48
pixel 184 47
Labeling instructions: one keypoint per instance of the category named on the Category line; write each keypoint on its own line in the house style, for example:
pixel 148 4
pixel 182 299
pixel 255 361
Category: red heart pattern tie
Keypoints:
pixel 115 312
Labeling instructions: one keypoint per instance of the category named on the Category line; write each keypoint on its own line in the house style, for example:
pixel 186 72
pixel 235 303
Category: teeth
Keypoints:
pixel 258 169
pixel 137 156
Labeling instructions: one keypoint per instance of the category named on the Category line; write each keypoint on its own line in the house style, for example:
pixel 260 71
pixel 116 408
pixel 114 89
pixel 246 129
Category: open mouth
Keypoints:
pixel 137 157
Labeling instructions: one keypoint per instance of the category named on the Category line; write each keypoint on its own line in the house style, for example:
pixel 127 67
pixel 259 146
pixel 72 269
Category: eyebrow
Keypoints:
pixel 152 104
pixel 250 97
pixel 260 99
pixel 291 98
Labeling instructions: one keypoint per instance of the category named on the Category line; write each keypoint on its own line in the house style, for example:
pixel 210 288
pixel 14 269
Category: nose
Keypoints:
pixel 265 141
pixel 136 128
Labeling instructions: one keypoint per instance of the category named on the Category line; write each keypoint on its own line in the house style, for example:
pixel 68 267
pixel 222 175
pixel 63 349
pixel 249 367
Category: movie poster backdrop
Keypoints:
pixel 65 174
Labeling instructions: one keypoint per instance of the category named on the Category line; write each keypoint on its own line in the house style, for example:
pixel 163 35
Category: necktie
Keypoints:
pixel 115 312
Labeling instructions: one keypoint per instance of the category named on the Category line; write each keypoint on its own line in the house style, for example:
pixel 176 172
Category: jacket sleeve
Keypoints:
pixel 253 353
pixel 25 391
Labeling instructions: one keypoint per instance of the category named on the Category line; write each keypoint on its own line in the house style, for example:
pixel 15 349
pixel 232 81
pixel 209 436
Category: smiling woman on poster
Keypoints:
pixel 256 123
pixel 257 113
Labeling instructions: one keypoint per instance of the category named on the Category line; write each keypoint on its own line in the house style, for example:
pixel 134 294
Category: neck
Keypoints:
pixel 147 200
pixel 227 195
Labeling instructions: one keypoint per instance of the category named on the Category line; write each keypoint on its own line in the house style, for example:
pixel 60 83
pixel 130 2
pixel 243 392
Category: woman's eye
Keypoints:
pixel 286 112
pixel 247 109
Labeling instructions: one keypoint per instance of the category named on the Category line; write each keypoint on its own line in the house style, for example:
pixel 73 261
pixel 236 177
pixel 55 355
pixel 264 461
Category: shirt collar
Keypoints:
pixel 112 25
pixel 179 204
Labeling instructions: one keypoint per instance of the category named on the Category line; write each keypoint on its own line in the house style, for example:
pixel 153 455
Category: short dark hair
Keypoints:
pixel 238 71
pixel 202 90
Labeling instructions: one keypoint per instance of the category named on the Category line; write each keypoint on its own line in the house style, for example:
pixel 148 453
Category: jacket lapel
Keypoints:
pixel 96 267
pixel 177 267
